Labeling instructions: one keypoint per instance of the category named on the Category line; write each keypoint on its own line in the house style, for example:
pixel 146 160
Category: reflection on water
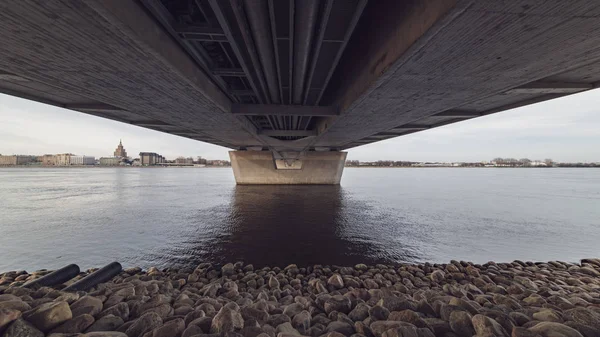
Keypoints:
pixel 279 225
pixel 167 217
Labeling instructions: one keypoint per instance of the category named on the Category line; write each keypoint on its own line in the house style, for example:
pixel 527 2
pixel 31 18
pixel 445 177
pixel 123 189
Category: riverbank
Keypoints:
pixel 455 299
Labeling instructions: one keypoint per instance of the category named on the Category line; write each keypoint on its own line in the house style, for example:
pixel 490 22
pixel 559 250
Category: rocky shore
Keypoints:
pixel 518 299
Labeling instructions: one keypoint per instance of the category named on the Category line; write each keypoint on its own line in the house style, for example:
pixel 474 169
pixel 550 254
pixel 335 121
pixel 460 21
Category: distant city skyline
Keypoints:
pixel 565 129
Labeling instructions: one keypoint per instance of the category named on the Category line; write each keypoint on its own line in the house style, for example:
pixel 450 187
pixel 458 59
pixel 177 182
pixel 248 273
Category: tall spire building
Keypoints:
pixel 120 151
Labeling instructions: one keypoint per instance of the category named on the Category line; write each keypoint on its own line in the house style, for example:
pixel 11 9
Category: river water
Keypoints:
pixel 50 217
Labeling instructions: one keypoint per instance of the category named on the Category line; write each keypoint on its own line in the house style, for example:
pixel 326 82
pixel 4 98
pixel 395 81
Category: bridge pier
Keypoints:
pixel 311 168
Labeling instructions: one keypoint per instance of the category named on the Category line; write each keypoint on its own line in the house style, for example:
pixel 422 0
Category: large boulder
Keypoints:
pixel 106 323
pixel 21 328
pixel 460 323
pixel 121 310
pixel 488 326
pixel 336 281
pixel 583 316
pixel 359 313
pixel 49 315
pixel 552 329
pixel 338 303
pixel 225 320
pixel 145 323
pixel 87 305
pixel 7 316
pixel 408 316
pixel 75 325
pixel 172 328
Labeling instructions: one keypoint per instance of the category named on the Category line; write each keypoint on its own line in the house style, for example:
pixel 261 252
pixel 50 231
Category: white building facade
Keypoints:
pixel 83 160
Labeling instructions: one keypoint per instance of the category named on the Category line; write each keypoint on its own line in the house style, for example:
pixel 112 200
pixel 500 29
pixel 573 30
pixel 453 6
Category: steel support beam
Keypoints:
pixel 196 29
pixel 282 110
pixel 288 133
pixel 229 72
pixel 239 49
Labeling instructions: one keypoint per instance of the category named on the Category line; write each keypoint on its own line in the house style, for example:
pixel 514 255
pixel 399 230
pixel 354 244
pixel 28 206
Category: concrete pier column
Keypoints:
pixel 262 168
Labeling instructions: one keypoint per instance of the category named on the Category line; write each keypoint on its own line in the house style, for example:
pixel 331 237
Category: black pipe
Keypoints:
pixel 58 276
pixel 101 275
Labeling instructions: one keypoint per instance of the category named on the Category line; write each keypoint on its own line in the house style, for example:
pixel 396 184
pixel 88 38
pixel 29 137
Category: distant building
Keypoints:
pixel 16 160
pixel 151 158
pixel 47 160
pixel 63 159
pixel 184 161
pixel 110 161
pixel 82 160
pixel 218 163
pixel 538 163
pixel 120 151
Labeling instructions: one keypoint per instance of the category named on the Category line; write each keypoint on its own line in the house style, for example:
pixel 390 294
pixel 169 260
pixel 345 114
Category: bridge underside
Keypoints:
pixel 293 77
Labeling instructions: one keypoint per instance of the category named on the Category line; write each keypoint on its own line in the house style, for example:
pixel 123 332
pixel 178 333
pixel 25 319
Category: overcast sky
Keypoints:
pixel 565 129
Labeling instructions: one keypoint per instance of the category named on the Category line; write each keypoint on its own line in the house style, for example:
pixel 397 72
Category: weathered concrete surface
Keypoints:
pixel 394 68
pixel 258 168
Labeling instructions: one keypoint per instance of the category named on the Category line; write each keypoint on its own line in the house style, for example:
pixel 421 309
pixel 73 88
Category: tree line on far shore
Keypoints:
pixel 499 162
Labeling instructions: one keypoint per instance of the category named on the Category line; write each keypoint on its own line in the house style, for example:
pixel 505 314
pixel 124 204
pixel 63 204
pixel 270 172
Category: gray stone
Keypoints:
pixel 293 309
pixel 438 276
pixel 105 334
pixel 301 321
pixel 338 303
pixel 287 329
pixel 227 270
pixel 583 316
pixel 203 323
pixel 273 283
pixel 192 330
pixel 49 315
pixel 7 316
pixel 359 313
pixel 547 315
pixel 106 323
pixel 21 328
pixel 145 323
pixel 226 320
pixel 336 281
pixel 121 310
pixel 485 325
pixel 408 316
pixel 163 310
pixel 344 328
pixel 75 325
pixel 552 329
pixel 172 328
pixel 460 323
pixel 379 327
pixel 379 313
pixel 15 304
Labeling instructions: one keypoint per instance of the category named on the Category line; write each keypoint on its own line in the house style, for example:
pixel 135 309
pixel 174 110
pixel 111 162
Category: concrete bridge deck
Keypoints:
pixel 296 76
